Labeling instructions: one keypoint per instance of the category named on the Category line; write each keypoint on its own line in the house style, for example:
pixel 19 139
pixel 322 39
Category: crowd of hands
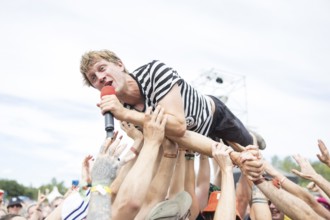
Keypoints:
pixel 126 182
pixel 152 171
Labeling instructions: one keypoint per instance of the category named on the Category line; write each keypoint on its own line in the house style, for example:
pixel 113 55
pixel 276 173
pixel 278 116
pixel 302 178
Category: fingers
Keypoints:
pixel 114 145
pixel 104 146
pixel 148 112
pixel 114 137
pixel 322 146
pixel 125 126
pixel 119 150
pixel 298 173
pixel 247 155
pixel 297 158
pixel 107 144
pixel 311 186
pixel 87 160
pixel 128 158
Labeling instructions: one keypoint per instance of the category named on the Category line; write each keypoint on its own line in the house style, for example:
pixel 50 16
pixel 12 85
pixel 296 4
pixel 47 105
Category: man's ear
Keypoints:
pixel 121 65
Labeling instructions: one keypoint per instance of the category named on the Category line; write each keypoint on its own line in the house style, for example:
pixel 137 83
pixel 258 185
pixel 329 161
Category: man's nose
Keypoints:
pixel 100 77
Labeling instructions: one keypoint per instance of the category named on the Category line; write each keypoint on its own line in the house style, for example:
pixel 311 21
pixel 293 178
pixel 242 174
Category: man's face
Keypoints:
pixel 104 73
pixel 14 209
pixel 276 214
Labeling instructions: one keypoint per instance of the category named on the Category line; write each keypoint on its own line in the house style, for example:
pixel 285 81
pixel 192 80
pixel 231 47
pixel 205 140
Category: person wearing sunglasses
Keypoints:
pixel 14 206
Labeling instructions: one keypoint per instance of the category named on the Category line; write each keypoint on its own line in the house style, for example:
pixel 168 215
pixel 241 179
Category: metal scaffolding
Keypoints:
pixel 229 87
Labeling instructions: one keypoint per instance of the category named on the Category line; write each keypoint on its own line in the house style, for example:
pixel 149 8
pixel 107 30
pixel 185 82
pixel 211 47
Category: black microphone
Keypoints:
pixel 108 117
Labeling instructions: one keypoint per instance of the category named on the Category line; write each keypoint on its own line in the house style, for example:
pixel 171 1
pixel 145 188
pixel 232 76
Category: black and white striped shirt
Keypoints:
pixel 155 80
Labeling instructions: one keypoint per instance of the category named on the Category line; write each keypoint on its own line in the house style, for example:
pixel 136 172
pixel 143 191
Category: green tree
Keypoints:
pixel 49 187
pixel 12 188
pixel 288 163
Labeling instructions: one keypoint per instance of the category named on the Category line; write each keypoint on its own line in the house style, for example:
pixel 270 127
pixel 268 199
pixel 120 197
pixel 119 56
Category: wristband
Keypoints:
pixel 103 190
pixel 169 155
pixel 276 183
pixel 134 151
pixel 189 156
pixel 282 180
pixel 257 182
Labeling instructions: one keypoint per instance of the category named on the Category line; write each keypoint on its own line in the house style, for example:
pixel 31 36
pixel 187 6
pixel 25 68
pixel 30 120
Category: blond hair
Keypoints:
pixel 91 57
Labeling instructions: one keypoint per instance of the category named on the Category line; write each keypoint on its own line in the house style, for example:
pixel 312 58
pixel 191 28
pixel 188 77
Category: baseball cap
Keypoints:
pixel 171 209
pixel 213 202
pixel 14 201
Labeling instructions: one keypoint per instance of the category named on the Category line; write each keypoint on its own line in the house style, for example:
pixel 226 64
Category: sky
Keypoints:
pixel 273 57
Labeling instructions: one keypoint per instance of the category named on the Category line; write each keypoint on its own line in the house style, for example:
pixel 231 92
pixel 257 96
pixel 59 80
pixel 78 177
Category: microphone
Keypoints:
pixel 108 117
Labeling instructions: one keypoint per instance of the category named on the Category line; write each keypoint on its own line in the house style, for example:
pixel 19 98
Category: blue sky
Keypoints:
pixel 49 120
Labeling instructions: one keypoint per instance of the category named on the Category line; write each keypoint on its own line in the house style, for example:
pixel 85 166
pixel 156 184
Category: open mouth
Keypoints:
pixel 109 83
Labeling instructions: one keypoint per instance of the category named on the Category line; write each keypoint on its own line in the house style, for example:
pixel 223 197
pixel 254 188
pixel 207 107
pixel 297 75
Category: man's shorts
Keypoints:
pixel 227 126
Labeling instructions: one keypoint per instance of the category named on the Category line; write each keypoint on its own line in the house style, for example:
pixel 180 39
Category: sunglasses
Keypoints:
pixel 15 205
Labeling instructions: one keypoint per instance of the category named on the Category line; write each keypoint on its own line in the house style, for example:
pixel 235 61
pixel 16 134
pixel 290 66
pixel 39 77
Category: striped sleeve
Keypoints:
pixel 157 80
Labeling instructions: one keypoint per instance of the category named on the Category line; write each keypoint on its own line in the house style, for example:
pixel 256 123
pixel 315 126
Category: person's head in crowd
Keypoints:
pixel 56 202
pixel 177 208
pixel 209 210
pixel 31 209
pixel 276 213
pixel 46 210
pixel 3 211
pixel 2 192
pixel 12 217
pixel 15 206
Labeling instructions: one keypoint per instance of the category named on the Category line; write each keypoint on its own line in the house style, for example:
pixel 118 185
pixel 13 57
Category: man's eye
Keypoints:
pixel 93 78
pixel 102 68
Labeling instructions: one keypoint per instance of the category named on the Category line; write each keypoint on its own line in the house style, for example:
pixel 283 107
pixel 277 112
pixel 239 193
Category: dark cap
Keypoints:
pixel 14 201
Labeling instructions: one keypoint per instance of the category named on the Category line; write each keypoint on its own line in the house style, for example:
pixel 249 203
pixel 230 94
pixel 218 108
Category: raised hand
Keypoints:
pixel 307 171
pixel 107 162
pixel 131 130
pixel 220 153
pixel 324 157
pixel 251 163
pixel 154 125
pixel 86 169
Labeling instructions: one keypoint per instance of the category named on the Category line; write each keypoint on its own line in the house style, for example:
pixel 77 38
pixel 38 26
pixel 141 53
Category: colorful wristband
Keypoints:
pixel 103 190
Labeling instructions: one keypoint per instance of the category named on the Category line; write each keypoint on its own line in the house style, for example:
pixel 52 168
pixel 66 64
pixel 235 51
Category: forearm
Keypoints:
pixel 99 207
pixel 137 144
pixel 292 206
pixel 174 126
pixel 226 208
pixel 203 181
pixel 115 185
pixel 161 181
pixel 203 174
pixel 243 195
pixel 259 205
pixel 177 181
pixel 294 189
pixel 299 192
pixel 195 142
pixel 158 187
pixel 141 172
pixel 189 186
pixel 322 183
pixel 130 196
